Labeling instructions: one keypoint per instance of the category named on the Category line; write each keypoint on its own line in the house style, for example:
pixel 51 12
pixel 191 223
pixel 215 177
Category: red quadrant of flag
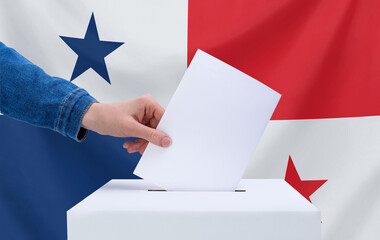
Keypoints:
pixel 322 56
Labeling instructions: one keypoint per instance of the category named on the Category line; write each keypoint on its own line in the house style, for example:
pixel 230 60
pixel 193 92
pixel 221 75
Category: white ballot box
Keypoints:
pixel 260 209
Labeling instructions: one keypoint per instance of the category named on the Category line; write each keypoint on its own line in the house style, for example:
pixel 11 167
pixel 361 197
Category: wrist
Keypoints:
pixel 91 116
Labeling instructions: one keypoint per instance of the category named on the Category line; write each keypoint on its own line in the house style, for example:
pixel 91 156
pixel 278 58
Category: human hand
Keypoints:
pixel 138 117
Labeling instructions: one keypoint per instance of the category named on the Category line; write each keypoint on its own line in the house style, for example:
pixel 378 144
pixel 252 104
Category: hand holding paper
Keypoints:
pixel 133 118
pixel 215 120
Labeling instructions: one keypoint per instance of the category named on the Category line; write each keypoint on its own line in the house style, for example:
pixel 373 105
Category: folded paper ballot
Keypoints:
pixel 215 119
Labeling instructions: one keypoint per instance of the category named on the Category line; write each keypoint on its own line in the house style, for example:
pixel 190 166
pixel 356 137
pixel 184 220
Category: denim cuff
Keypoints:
pixel 71 112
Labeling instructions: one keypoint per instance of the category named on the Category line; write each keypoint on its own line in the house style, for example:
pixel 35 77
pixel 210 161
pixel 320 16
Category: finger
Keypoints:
pixel 144 120
pixel 158 111
pixel 134 146
pixel 143 147
pixel 128 144
pixel 141 140
pixel 152 135
pixel 153 122
pixel 137 141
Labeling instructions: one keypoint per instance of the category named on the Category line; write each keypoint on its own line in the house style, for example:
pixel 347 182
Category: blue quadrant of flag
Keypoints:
pixel 44 175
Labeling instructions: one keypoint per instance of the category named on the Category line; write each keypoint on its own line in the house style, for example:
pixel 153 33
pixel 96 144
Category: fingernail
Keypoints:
pixel 165 142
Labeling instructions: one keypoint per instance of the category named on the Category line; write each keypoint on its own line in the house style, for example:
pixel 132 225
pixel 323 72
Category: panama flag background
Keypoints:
pixel 322 56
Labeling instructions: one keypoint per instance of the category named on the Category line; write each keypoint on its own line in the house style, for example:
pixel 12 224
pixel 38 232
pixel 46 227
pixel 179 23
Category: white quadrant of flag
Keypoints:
pixel 152 59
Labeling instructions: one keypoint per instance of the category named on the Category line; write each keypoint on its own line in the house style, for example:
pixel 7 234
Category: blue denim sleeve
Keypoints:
pixel 28 94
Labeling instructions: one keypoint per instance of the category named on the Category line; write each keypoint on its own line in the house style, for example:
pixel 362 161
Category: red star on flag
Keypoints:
pixel 304 187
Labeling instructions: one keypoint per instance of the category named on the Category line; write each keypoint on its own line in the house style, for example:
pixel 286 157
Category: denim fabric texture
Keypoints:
pixel 28 94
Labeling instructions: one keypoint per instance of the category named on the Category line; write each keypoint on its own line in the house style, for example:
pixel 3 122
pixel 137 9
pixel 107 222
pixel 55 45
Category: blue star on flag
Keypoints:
pixel 91 51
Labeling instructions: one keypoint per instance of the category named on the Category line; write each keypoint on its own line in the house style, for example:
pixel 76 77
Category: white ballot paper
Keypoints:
pixel 215 120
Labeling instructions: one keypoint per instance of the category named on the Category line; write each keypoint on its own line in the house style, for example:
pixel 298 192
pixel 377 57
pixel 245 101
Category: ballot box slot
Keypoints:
pixel 160 190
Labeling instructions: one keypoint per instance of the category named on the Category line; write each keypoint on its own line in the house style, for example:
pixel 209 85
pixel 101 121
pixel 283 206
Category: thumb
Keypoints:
pixel 152 135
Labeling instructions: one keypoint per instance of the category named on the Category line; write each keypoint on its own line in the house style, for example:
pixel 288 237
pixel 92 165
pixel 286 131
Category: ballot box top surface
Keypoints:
pixel 134 195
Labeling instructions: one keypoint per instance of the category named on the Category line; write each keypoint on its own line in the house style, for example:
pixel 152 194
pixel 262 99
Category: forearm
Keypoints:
pixel 28 94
